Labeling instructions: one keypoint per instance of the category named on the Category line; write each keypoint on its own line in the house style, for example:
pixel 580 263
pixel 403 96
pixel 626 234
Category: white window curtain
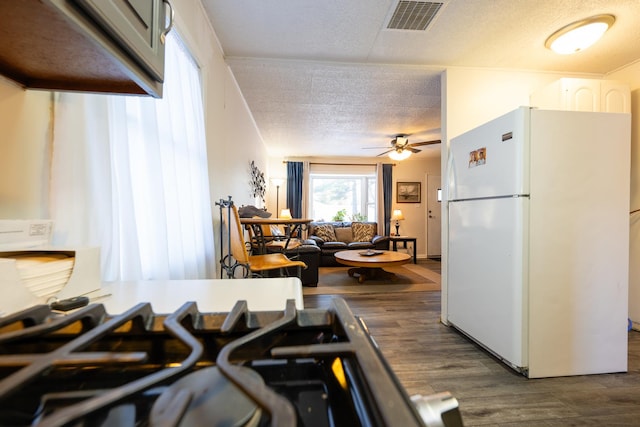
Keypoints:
pixel 129 174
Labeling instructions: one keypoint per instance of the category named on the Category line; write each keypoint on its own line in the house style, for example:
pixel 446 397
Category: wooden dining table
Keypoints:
pixel 293 227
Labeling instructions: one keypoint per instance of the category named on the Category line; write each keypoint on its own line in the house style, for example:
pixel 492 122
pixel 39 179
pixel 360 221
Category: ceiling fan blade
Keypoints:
pixel 405 146
pixel 417 144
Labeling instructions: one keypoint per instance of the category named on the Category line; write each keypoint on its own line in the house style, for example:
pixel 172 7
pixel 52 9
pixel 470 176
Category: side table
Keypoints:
pixel 404 239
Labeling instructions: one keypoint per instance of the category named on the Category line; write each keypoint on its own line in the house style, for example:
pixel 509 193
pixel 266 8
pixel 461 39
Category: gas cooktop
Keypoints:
pixel 310 367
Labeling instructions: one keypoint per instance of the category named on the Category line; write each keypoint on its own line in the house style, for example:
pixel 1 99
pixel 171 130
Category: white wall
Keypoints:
pixel 631 74
pixel 24 152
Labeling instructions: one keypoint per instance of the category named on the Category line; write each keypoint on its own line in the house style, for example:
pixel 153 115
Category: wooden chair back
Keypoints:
pixel 236 235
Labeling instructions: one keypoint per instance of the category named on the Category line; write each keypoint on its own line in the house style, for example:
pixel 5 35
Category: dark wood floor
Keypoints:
pixel 429 357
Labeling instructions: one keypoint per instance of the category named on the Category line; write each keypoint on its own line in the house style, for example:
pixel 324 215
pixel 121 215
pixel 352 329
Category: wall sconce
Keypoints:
pixel 397 217
pixel 277 182
pixel 579 35
pixel 285 214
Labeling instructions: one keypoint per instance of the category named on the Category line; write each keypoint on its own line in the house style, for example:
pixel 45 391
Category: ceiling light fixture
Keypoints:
pixel 399 154
pixel 579 35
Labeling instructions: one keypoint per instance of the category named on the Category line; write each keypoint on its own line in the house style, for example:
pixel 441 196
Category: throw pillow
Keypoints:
pixel 363 232
pixel 343 234
pixel 325 232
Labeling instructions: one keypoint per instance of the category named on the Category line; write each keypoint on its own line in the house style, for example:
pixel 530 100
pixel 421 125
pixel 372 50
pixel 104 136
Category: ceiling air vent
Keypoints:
pixel 413 15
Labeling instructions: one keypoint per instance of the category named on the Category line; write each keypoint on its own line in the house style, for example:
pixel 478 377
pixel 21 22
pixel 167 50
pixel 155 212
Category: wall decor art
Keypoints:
pixel 408 192
pixel 257 184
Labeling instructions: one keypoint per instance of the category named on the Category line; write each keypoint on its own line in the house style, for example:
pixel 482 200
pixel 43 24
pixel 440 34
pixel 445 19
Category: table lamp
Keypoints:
pixel 397 217
pixel 285 214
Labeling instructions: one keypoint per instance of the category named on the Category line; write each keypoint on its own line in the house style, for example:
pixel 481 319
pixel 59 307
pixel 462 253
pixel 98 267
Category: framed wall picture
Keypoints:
pixel 408 192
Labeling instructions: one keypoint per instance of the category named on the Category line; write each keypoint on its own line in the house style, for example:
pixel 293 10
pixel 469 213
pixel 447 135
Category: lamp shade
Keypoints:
pixel 285 214
pixel 397 215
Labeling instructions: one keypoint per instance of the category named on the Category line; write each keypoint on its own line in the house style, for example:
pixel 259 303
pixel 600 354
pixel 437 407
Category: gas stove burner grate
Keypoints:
pixel 205 397
pixel 291 367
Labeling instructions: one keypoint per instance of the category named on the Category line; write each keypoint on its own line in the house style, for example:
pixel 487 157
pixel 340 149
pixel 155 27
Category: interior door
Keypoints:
pixel 434 230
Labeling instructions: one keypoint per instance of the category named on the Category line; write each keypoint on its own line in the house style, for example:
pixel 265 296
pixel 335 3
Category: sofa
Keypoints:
pixel 308 253
pixel 332 237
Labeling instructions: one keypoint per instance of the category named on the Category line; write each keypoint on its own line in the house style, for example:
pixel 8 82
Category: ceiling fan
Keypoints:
pixel 401 149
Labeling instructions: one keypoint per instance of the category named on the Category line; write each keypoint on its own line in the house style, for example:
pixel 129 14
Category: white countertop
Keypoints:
pixel 217 295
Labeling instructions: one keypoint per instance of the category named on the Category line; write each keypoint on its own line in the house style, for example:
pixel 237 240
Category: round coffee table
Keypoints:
pixel 371 266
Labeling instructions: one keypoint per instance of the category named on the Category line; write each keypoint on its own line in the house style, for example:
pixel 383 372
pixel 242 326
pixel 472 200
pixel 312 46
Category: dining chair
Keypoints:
pixel 254 265
pixel 270 238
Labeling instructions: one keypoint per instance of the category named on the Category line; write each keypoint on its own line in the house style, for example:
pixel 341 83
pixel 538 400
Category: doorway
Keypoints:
pixel 434 197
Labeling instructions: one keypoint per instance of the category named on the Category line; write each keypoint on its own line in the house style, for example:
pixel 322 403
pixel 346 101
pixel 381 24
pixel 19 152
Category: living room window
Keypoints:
pixel 336 194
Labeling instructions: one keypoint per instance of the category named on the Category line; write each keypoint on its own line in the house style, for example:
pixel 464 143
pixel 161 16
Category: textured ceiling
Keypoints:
pixel 327 77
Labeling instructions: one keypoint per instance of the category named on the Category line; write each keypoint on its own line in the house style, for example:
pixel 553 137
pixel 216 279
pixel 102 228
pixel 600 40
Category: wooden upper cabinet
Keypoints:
pixel 137 25
pixel 103 46
pixel 575 94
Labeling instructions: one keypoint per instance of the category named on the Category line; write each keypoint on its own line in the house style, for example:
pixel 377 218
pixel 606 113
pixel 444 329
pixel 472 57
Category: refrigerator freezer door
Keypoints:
pixel 486 269
pixel 491 160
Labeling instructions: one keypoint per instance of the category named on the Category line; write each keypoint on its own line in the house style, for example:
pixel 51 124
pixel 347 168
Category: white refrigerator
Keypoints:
pixel 538 249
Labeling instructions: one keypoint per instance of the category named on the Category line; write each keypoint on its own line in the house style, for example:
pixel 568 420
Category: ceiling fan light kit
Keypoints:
pixel 579 35
pixel 399 154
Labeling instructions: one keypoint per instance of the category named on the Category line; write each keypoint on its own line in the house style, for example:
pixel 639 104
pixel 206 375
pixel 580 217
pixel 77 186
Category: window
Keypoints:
pixel 342 197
